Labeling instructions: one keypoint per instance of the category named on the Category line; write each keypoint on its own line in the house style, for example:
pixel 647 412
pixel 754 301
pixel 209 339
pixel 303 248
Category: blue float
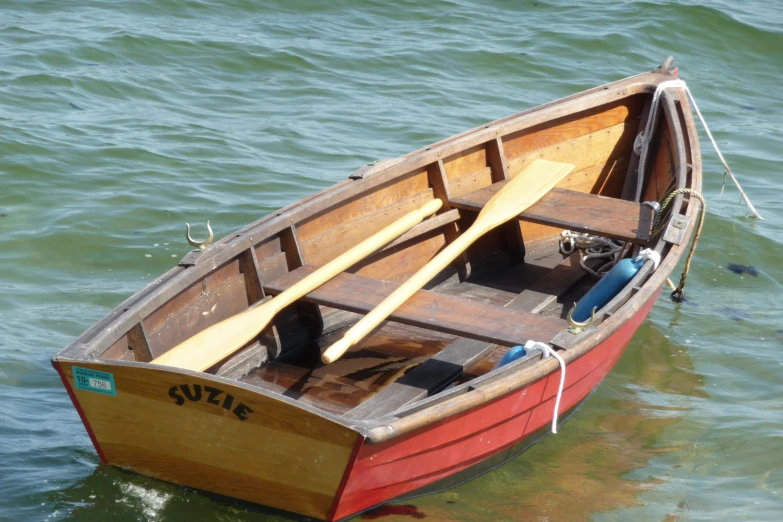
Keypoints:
pixel 514 353
pixel 605 289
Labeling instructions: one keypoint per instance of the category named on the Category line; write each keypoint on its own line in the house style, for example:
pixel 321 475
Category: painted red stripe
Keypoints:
pixel 80 411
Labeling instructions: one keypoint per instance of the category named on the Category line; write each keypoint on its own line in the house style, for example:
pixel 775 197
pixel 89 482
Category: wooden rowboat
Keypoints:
pixel 418 402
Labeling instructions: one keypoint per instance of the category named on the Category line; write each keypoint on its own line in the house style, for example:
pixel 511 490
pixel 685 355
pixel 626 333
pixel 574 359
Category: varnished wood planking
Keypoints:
pixel 471 181
pixel 397 264
pixel 440 221
pixel 660 167
pixel 116 350
pixel 572 126
pixel 468 160
pixel 277 444
pixel 279 456
pixel 577 211
pixel 232 483
pixel 323 248
pixel 367 368
pixel 595 153
pixel 154 382
pixel 428 309
pixel 188 296
pixel 352 209
pixel 605 179
pixel 585 151
pixel 449 363
pixel 436 173
pixel 273 267
pixel 220 303
pixel 268 248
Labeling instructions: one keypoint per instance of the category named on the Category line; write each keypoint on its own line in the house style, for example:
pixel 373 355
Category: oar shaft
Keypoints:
pixel 415 283
pixel 220 340
pixel 349 258
pixel 510 201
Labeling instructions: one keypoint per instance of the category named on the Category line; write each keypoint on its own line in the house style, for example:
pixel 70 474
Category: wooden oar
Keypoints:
pixel 224 338
pixel 510 201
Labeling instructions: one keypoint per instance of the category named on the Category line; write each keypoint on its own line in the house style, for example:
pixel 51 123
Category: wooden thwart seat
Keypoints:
pixel 449 364
pixel 428 309
pixel 599 215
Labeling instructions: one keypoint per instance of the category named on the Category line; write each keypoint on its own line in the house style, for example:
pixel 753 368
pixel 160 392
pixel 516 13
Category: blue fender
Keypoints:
pixel 605 289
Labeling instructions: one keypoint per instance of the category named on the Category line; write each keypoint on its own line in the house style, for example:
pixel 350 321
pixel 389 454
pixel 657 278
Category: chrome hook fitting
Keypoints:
pixel 201 245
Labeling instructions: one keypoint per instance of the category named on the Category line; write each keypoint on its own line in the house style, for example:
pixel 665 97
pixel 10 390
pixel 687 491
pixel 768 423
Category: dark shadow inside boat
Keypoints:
pixel 362 372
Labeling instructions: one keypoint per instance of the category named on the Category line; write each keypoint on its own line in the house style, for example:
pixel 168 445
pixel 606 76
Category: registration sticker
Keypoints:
pixel 94 381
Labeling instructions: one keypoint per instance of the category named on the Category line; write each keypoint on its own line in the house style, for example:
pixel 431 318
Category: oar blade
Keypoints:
pixel 217 342
pixel 522 191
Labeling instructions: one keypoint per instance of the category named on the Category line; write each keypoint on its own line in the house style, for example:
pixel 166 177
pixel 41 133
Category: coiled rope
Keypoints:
pixel 595 247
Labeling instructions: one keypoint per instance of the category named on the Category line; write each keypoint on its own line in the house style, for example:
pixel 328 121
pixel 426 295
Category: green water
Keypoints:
pixel 119 121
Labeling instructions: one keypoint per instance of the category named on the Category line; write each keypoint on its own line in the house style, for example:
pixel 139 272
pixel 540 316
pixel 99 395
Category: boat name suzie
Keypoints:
pixel 194 393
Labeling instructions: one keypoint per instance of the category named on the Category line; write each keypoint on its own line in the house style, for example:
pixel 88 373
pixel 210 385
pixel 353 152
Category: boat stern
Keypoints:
pixel 210 433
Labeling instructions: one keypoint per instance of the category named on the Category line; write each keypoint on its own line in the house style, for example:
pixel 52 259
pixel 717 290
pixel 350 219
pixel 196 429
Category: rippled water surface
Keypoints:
pixel 121 120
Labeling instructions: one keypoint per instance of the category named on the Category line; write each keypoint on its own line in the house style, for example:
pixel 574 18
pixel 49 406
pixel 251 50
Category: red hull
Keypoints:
pixel 390 469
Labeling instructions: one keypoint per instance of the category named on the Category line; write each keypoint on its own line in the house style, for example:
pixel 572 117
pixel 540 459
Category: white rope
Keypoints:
pixel 645 137
pixel 547 351
pixel 642 142
pixel 650 254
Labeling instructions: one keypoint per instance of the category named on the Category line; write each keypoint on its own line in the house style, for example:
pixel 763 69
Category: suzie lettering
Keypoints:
pixel 196 393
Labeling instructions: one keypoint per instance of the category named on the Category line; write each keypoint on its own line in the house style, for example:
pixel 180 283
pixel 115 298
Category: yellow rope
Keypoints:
pixel 677 295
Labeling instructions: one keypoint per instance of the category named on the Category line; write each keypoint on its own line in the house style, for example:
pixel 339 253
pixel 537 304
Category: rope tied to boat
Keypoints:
pixel 642 141
pixel 678 293
pixel 651 255
pixel 546 350
pixel 594 247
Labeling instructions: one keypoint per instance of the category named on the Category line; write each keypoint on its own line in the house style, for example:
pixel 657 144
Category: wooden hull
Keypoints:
pixel 398 467
pixel 237 442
